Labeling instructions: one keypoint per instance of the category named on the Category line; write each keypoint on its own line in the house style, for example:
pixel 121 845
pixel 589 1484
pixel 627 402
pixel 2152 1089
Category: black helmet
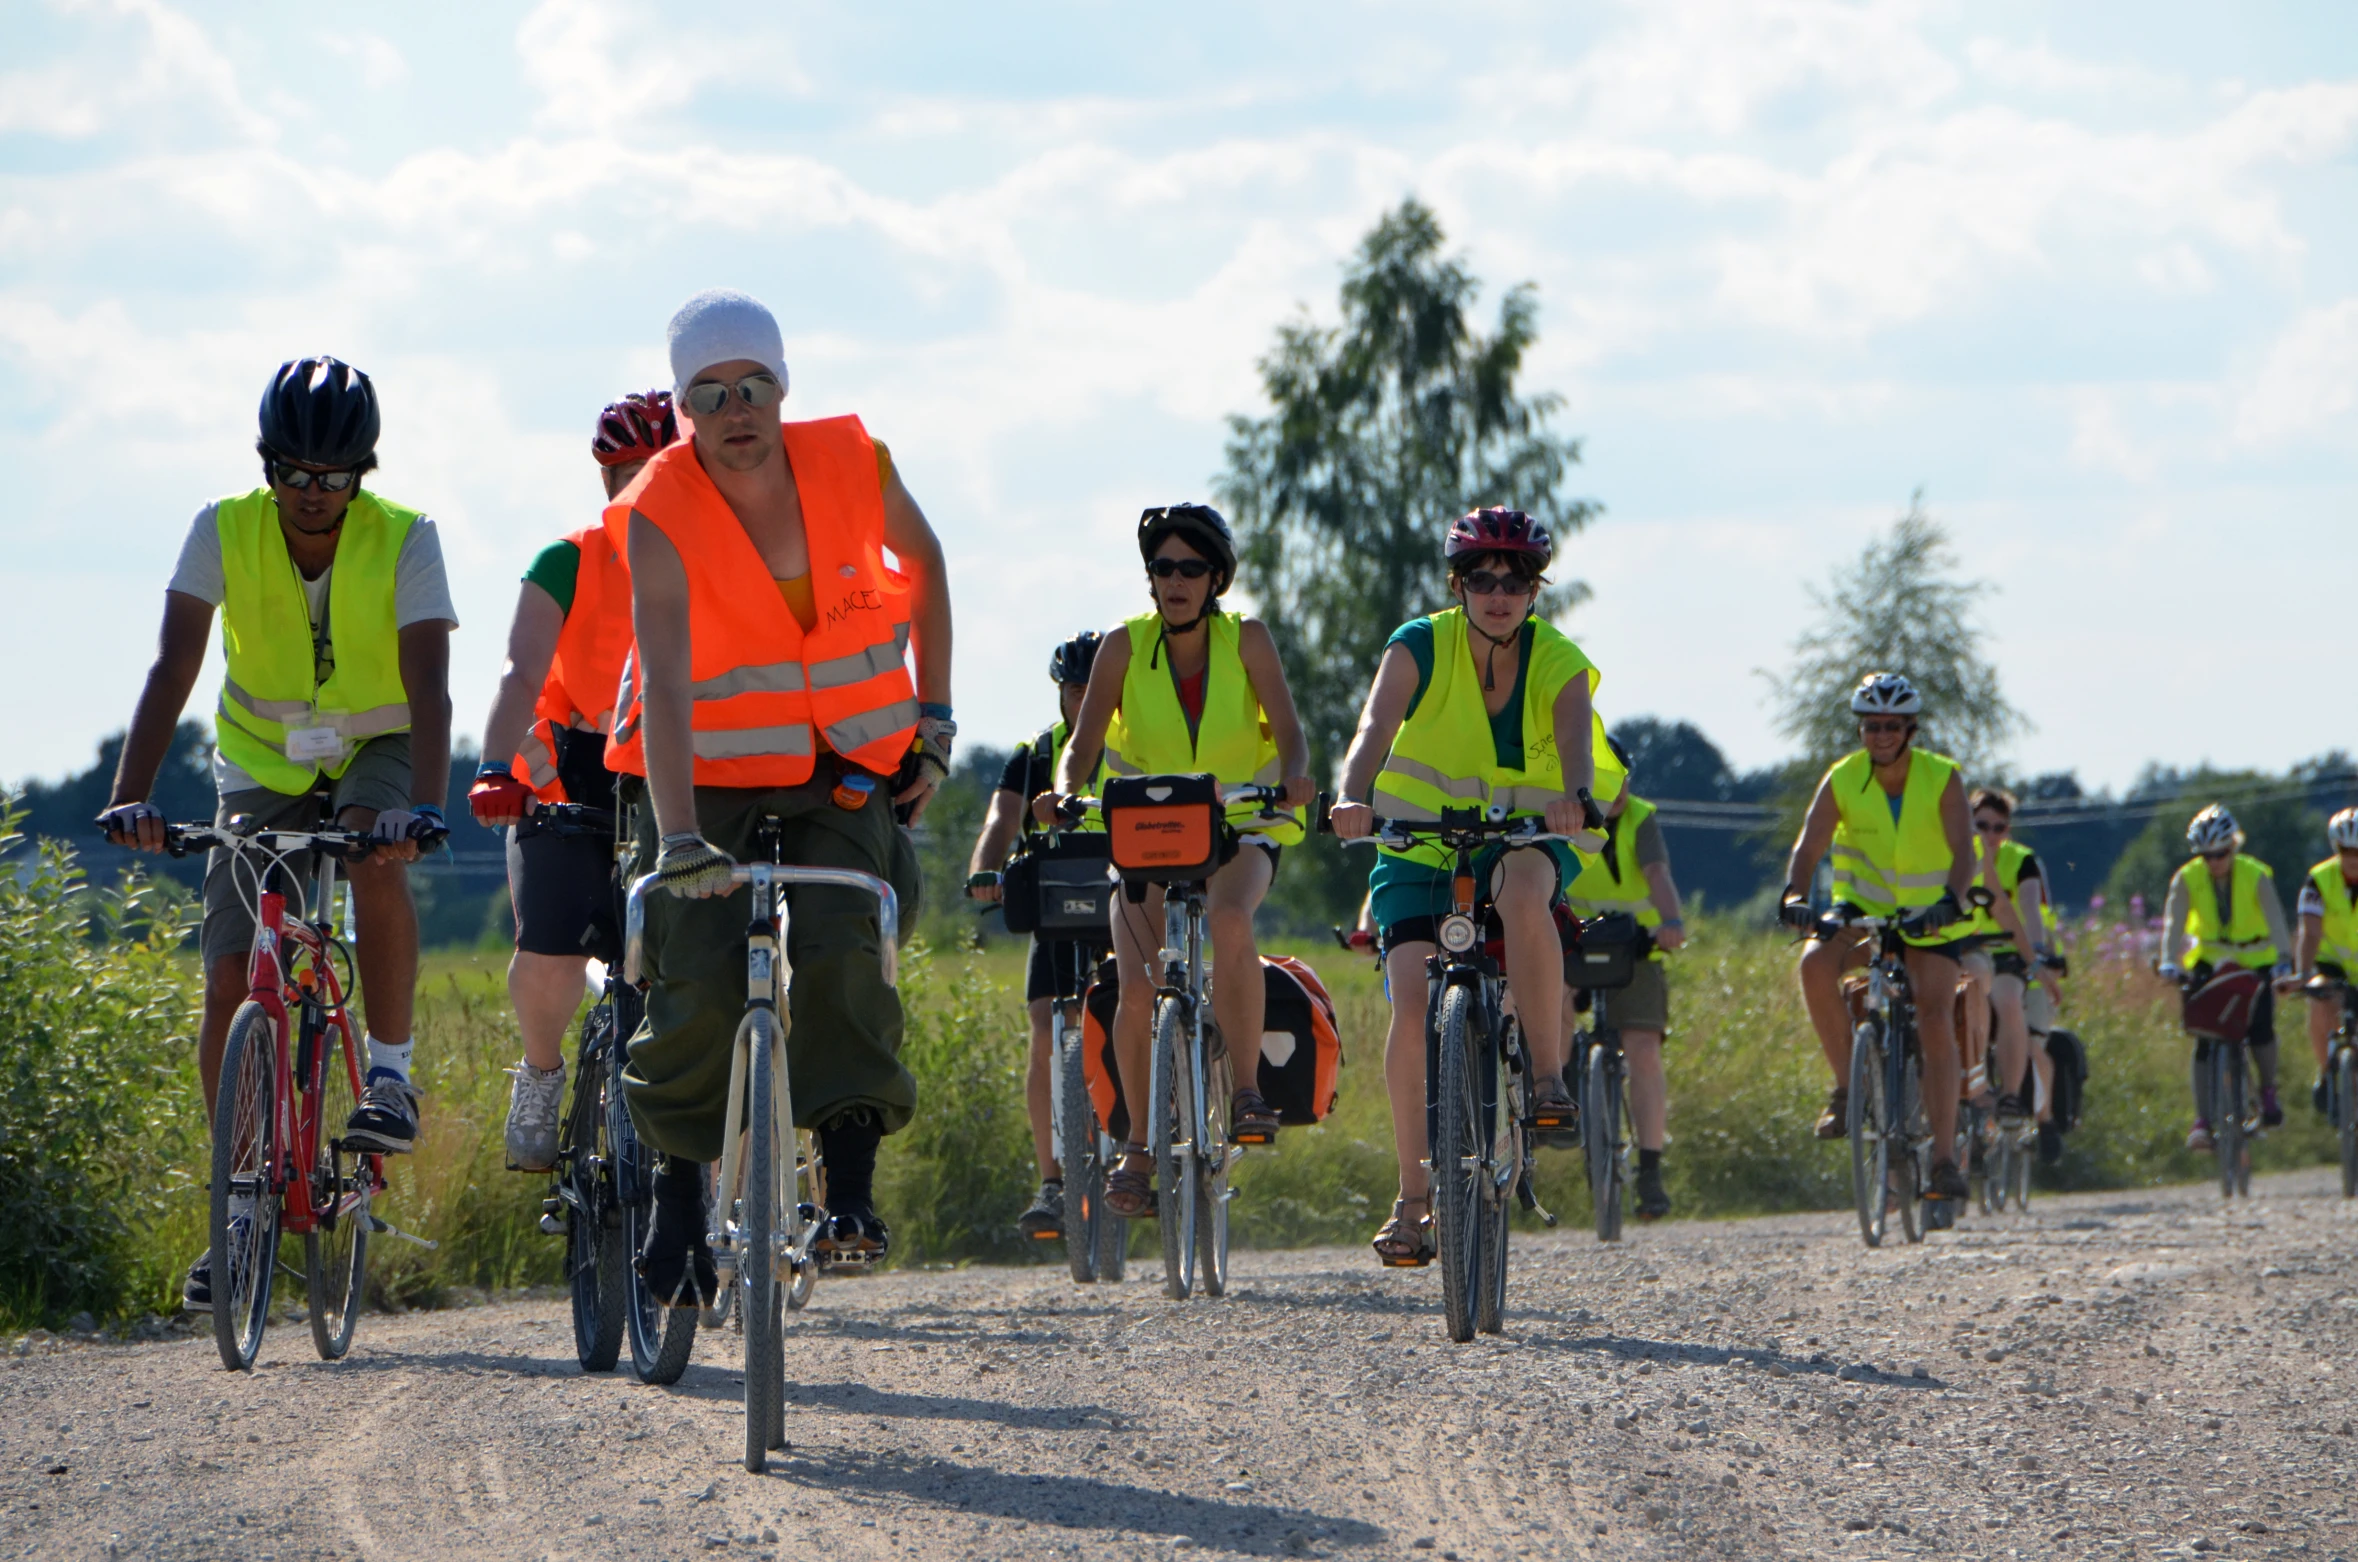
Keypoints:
pixel 1621 754
pixel 320 411
pixel 1199 526
pixel 1071 661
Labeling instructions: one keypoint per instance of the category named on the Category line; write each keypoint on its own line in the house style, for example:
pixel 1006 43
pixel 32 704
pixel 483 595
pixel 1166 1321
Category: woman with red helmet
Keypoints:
pixel 544 742
pixel 1485 702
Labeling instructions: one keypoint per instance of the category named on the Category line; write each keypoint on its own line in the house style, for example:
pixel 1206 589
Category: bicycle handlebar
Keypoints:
pixel 343 845
pixel 1076 807
pixel 888 907
pixel 1399 834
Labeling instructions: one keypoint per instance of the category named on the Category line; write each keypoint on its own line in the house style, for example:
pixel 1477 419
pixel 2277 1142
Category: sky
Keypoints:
pixel 2084 275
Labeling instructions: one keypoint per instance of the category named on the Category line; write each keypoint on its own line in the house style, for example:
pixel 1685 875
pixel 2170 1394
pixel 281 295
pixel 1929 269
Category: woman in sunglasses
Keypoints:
pixel 1185 689
pixel 1484 704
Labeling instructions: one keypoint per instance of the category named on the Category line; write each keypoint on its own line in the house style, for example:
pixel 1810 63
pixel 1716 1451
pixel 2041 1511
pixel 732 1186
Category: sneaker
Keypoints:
pixel 1947 1182
pixel 2012 1108
pixel 1652 1202
pixel 2050 1144
pixel 387 1118
pixel 2271 1109
pixel 1834 1122
pixel 533 1104
pixel 2198 1138
pixel 196 1291
pixel 1044 1221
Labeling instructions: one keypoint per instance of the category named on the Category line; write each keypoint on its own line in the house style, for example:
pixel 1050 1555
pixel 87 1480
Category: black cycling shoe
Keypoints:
pixel 2050 1144
pixel 854 1235
pixel 854 1239
pixel 1947 1182
pixel 196 1292
pixel 1044 1221
pixel 386 1120
pixel 676 1263
pixel 2012 1108
pixel 1652 1202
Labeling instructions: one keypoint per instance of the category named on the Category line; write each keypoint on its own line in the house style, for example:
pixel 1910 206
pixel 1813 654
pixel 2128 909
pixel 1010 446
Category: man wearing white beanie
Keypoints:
pixel 771 682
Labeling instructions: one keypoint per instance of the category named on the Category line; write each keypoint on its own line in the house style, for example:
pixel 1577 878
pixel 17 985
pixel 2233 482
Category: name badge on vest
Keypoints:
pixel 312 745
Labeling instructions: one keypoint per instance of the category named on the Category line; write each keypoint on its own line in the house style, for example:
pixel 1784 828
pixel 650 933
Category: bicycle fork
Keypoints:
pixel 765 982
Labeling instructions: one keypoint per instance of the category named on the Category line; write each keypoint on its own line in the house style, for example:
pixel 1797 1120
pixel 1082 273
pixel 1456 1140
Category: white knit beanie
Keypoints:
pixel 719 325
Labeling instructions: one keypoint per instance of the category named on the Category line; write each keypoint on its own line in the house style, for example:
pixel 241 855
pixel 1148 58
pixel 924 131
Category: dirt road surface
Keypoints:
pixel 2115 1375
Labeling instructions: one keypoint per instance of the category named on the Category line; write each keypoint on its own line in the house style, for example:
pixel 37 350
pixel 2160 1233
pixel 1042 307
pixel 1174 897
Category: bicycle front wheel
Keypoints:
pixel 1600 1128
pixel 1457 1179
pixel 1913 1136
pixel 2227 1108
pixel 1169 1112
pixel 243 1221
pixel 760 1206
pixel 2021 1142
pixel 2345 1111
pixel 1084 1173
pixel 335 1249
pixel 1503 1116
pixel 1870 1142
pixel 1211 1168
pixel 597 1268
pixel 661 1338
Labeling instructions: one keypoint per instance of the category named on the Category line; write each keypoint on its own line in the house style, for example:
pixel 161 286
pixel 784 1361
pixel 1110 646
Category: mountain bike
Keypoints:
pixel 1889 1130
pixel 764 1203
pixel 2216 1011
pixel 290 1077
pixel 1096 1240
pixel 2341 1071
pixel 1599 1070
pixel 1479 1080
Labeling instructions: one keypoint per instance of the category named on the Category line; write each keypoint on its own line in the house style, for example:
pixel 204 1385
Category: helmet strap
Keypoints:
pixel 1490 660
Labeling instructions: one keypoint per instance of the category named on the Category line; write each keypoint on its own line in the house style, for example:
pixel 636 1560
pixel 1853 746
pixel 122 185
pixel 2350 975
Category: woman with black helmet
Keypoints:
pixel 1057 966
pixel 1186 688
pixel 336 621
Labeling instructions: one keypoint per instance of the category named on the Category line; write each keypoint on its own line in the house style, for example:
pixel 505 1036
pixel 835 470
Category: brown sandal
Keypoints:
pixel 1401 1243
pixel 1129 1192
pixel 1251 1119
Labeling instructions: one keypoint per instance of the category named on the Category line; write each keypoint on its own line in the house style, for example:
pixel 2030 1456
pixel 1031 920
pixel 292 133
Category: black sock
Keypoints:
pixel 848 1145
pixel 1649 1160
pixel 679 1182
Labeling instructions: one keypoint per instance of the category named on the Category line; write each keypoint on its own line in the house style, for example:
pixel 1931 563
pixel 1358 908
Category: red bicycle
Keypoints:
pixel 290 1077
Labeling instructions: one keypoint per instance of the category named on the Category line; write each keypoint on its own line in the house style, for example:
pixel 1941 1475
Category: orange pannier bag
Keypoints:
pixel 1097 1053
pixel 1164 829
pixel 1301 1051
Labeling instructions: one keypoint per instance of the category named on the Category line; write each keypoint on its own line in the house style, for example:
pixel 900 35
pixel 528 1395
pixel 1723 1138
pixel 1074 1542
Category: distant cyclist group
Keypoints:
pixel 744 663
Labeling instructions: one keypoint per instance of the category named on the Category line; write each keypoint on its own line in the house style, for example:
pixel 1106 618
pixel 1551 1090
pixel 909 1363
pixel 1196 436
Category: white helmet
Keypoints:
pixel 2342 830
pixel 2213 830
pixel 1885 694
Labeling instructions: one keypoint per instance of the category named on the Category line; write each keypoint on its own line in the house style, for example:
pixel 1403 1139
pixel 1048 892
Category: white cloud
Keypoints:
pixel 2308 381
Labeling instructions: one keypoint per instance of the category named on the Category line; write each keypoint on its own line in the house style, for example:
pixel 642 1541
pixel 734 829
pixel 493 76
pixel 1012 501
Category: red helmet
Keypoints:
pixel 1500 530
pixel 634 428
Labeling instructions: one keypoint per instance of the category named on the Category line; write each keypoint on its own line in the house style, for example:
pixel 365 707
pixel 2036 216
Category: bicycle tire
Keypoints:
pixel 1985 1159
pixel 1600 1128
pixel 760 1206
pixel 2226 1113
pixel 1113 1244
pixel 1907 1103
pixel 1174 1180
pixel 1211 1168
pixel 245 1123
pixel 597 1269
pixel 1503 1116
pixel 1084 1174
pixel 661 1338
pixel 1870 1145
pixel 2345 1108
pixel 2023 1154
pixel 1456 1186
pixel 335 1250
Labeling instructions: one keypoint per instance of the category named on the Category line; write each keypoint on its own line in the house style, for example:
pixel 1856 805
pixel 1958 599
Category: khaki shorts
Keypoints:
pixel 1645 1003
pixel 377 779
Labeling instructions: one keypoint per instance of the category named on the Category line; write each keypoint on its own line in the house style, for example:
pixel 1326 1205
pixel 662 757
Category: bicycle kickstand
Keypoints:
pixel 383 1227
pixel 1530 1200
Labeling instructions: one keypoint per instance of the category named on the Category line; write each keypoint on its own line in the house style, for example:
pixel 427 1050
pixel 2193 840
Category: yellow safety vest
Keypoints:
pixel 2242 937
pixel 1882 868
pixel 2340 943
pixel 1444 755
pixel 1984 924
pixel 271 687
pixel 1047 754
pixel 1612 880
pixel 1148 735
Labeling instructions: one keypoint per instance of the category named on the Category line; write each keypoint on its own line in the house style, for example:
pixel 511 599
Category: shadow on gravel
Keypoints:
pixel 1077 1502
pixel 855 1398
pixel 1678 1354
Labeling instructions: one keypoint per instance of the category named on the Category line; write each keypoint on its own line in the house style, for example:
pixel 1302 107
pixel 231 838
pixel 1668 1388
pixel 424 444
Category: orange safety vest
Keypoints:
pixel 587 667
pixel 765 692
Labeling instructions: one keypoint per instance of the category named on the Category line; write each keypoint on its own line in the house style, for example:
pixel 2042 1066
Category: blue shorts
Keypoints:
pixel 1401 890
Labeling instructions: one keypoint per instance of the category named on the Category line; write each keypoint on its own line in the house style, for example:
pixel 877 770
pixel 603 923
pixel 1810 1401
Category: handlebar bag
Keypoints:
pixel 1301 1050
pixel 2221 1008
pixel 1606 953
pixel 1059 888
pixel 1097 1052
pixel 1164 829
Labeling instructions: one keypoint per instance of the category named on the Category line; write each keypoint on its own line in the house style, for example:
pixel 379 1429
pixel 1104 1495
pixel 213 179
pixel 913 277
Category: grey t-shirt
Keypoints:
pixel 421 595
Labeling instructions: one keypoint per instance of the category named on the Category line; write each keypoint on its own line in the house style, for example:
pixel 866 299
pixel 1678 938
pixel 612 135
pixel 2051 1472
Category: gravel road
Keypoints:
pixel 2114 1375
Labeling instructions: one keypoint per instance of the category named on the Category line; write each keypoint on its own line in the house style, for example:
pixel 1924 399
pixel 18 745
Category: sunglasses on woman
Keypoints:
pixel 295 477
pixel 1483 583
pixel 757 391
pixel 1185 569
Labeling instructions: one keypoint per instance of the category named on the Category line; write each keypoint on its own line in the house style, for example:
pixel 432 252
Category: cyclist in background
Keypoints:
pixel 1185 689
pixel 1632 874
pixel 1483 704
pixel 2223 909
pixel 545 742
pixel 2328 945
pixel 335 624
pixel 1895 819
pixel 769 682
pixel 1055 965
pixel 2022 986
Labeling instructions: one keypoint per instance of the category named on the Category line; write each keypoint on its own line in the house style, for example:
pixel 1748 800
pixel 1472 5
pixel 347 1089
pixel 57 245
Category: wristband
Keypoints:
pixel 1678 922
pixel 488 769
pixel 937 712
pixel 432 810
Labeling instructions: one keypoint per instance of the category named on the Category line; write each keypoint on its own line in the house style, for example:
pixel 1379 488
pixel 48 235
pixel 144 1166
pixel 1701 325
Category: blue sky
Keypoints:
pixel 2086 274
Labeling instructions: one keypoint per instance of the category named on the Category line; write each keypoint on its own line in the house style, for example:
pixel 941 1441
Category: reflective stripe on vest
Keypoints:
pixel 266 636
pixel 2242 937
pixel 2340 922
pixel 766 692
pixel 1877 867
pixel 1148 734
pixel 1613 880
pixel 1444 755
pixel 579 691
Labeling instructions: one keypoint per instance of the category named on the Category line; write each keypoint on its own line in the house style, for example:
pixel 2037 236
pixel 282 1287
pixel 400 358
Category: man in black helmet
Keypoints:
pixel 1059 968
pixel 336 621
